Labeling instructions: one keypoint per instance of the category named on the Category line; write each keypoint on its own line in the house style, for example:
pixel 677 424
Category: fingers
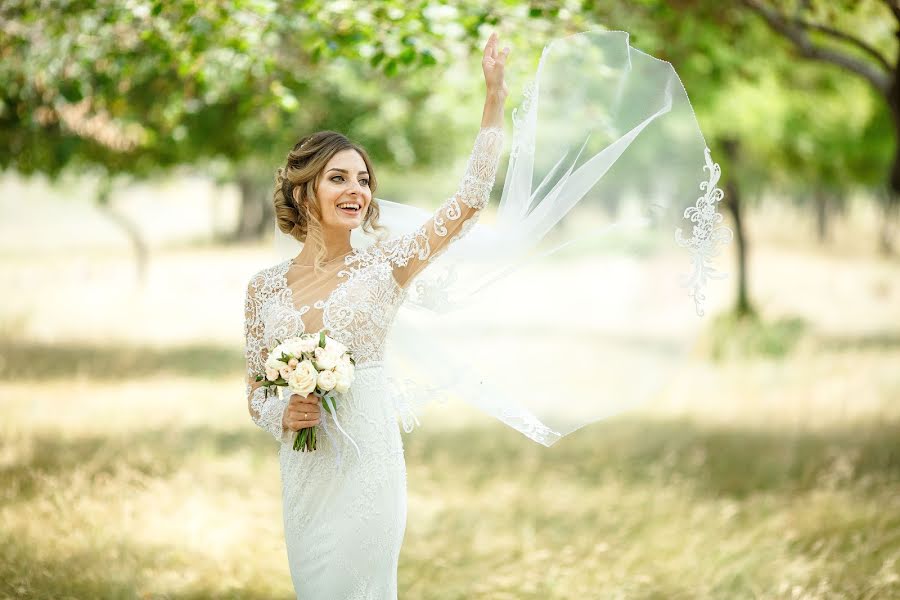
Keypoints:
pixel 307 412
pixel 304 406
pixel 490 48
pixel 298 425
pixel 304 409
pixel 299 419
pixel 298 401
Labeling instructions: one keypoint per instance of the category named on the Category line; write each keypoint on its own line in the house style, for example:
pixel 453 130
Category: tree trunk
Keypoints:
pixel 141 251
pixel 892 196
pixel 890 205
pixel 255 213
pixel 822 207
pixel 734 206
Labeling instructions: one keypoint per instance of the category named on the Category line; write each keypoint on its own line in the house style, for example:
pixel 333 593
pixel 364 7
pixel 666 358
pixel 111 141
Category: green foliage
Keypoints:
pixel 231 86
pixel 140 90
pixel 800 123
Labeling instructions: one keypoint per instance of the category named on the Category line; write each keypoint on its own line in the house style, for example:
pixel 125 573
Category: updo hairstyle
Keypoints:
pixel 297 211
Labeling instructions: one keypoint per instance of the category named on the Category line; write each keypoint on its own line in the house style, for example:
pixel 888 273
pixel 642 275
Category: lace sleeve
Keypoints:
pixel 265 412
pixel 411 252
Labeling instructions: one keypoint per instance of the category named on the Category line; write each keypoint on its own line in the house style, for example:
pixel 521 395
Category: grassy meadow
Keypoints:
pixel 129 467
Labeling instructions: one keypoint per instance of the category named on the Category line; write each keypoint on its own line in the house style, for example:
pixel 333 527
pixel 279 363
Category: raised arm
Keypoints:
pixel 411 252
pixel 266 412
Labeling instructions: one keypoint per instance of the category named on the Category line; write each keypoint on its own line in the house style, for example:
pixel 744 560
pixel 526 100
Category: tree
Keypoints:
pixel 829 32
pixel 137 91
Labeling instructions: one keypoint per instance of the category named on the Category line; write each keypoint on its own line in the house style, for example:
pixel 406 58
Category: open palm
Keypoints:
pixel 492 63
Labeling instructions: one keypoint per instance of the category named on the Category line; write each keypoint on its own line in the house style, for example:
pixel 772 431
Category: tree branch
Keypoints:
pixel 790 29
pixel 894 6
pixel 841 35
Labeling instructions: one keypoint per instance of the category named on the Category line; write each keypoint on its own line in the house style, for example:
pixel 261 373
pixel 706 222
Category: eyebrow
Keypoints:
pixel 345 171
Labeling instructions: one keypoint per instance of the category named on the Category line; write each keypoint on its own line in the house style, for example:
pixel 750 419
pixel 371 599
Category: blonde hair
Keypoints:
pixel 297 212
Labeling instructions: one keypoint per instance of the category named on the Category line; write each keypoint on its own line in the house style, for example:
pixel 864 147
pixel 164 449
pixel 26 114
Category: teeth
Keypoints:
pixel 353 206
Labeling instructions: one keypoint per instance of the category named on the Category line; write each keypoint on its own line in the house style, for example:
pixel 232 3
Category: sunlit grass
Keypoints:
pixel 129 467
pixel 159 487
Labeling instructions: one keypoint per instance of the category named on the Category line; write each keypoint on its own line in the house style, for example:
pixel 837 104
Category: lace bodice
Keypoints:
pixel 358 298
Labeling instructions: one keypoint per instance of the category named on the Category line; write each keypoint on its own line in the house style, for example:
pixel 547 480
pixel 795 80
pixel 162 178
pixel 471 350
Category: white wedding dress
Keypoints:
pixel 344 511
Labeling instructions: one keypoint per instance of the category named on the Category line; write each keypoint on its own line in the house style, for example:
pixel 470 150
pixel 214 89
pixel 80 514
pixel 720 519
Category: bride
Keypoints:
pixel 344 504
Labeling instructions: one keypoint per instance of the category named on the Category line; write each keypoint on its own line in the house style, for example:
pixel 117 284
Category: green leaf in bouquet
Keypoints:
pixel 322 339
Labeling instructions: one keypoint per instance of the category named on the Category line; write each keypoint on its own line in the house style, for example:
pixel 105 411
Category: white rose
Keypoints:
pixel 272 361
pixel 282 348
pixel 291 347
pixel 343 379
pixel 345 366
pixel 285 372
pixel 325 359
pixel 327 380
pixel 308 342
pixel 272 374
pixel 303 380
pixel 332 345
pixel 343 371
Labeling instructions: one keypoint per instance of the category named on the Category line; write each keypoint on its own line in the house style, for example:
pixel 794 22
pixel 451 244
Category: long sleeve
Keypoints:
pixel 411 252
pixel 265 412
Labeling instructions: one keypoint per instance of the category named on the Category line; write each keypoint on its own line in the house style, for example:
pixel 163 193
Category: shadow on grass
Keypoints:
pixel 878 342
pixel 720 461
pixel 21 359
pixel 723 462
pixel 157 453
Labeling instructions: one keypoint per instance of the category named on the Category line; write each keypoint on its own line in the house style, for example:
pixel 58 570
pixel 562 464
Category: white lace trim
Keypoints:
pixel 706 237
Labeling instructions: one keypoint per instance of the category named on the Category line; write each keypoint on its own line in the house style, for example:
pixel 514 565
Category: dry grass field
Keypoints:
pixel 129 467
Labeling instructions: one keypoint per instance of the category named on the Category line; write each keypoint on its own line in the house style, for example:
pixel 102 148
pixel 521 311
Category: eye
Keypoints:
pixel 364 181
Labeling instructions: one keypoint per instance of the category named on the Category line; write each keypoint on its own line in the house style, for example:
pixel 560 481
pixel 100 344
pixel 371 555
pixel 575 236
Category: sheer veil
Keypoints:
pixel 581 295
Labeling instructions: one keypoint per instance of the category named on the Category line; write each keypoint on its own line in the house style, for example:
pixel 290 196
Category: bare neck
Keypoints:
pixel 337 243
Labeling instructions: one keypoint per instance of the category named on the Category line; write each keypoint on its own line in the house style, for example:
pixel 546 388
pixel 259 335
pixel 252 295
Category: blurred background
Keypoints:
pixel 139 144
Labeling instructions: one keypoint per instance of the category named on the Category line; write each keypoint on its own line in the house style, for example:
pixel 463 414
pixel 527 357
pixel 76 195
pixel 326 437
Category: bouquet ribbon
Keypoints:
pixel 329 401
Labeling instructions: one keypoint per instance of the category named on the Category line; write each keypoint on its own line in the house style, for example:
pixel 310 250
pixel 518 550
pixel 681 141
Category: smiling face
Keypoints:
pixel 343 191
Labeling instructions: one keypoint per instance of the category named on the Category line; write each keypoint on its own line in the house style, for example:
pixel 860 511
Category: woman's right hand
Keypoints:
pixel 301 412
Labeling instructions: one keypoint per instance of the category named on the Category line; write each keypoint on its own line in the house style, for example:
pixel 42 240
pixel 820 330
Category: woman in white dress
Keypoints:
pixel 344 504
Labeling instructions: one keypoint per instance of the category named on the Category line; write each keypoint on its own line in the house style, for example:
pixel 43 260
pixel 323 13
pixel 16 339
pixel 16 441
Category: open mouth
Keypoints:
pixel 349 208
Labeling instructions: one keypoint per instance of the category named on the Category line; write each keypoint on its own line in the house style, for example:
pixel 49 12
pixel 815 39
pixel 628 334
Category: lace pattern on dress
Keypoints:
pixel 361 308
pixel 474 192
pixel 265 412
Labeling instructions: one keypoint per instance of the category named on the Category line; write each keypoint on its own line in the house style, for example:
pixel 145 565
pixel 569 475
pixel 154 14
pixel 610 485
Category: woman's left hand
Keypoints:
pixel 492 64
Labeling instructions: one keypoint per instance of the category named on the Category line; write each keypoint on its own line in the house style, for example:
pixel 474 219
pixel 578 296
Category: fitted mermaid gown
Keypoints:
pixel 344 511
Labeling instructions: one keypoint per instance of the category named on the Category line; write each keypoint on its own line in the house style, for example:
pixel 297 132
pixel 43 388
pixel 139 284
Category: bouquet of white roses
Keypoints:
pixel 311 363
